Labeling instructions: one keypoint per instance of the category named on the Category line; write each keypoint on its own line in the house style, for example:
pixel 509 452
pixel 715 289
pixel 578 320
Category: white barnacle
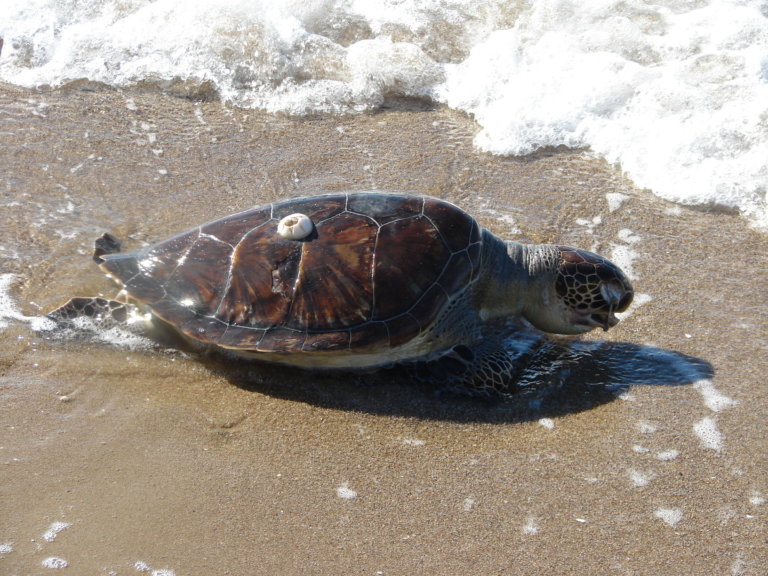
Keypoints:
pixel 295 226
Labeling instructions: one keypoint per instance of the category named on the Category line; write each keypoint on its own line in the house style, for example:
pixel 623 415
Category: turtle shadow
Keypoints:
pixel 556 378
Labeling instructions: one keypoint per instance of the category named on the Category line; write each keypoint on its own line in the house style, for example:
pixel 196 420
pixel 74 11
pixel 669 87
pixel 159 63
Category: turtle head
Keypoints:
pixel 576 292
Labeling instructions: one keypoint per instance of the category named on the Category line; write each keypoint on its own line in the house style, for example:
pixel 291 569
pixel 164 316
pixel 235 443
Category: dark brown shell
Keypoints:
pixel 375 273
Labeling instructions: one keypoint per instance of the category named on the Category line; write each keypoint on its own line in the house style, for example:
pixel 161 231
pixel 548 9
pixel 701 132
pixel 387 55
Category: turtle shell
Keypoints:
pixel 376 272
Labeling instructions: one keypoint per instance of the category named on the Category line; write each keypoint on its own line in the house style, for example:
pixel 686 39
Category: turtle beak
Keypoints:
pixel 598 319
pixel 604 320
pixel 616 297
pixel 613 294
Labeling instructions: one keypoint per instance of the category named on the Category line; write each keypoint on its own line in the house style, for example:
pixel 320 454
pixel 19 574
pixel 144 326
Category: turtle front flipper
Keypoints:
pixel 102 312
pixel 484 370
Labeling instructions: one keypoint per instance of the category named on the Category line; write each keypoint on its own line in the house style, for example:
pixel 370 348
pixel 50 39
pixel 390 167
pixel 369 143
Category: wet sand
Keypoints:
pixel 159 460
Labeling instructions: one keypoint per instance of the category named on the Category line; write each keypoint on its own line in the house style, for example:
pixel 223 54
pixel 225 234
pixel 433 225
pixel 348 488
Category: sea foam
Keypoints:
pixel 9 312
pixel 675 93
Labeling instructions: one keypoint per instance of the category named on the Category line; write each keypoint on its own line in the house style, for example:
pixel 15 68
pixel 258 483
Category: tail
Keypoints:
pixel 106 244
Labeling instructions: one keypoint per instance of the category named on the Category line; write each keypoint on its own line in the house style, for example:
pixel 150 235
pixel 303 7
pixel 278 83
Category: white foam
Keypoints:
pixel 547 423
pixel 590 224
pixel 739 566
pixel 713 399
pixel 54 529
pixel 115 335
pixel 668 455
pixel 673 91
pixel 615 200
pixel 9 312
pixel 669 515
pixel 54 563
pixel 345 492
pixel 645 427
pixel 531 527
pixel 626 235
pixel 140 566
pixel 413 442
pixel 707 431
pixel 503 217
pixel 510 223
pixel 640 299
pixel 624 257
pixel 6 547
pixel 640 479
pixel 673 95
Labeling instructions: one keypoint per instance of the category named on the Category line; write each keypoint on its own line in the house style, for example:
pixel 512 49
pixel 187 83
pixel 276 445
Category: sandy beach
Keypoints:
pixel 643 453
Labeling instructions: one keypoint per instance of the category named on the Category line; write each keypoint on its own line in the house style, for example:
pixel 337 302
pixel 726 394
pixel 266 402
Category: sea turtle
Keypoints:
pixel 360 281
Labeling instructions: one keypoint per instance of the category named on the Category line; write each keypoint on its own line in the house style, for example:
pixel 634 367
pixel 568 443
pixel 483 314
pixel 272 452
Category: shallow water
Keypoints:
pixel 675 92
pixel 643 446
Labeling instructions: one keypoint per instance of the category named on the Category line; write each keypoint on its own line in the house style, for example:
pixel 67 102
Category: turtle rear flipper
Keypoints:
pixel 101 312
